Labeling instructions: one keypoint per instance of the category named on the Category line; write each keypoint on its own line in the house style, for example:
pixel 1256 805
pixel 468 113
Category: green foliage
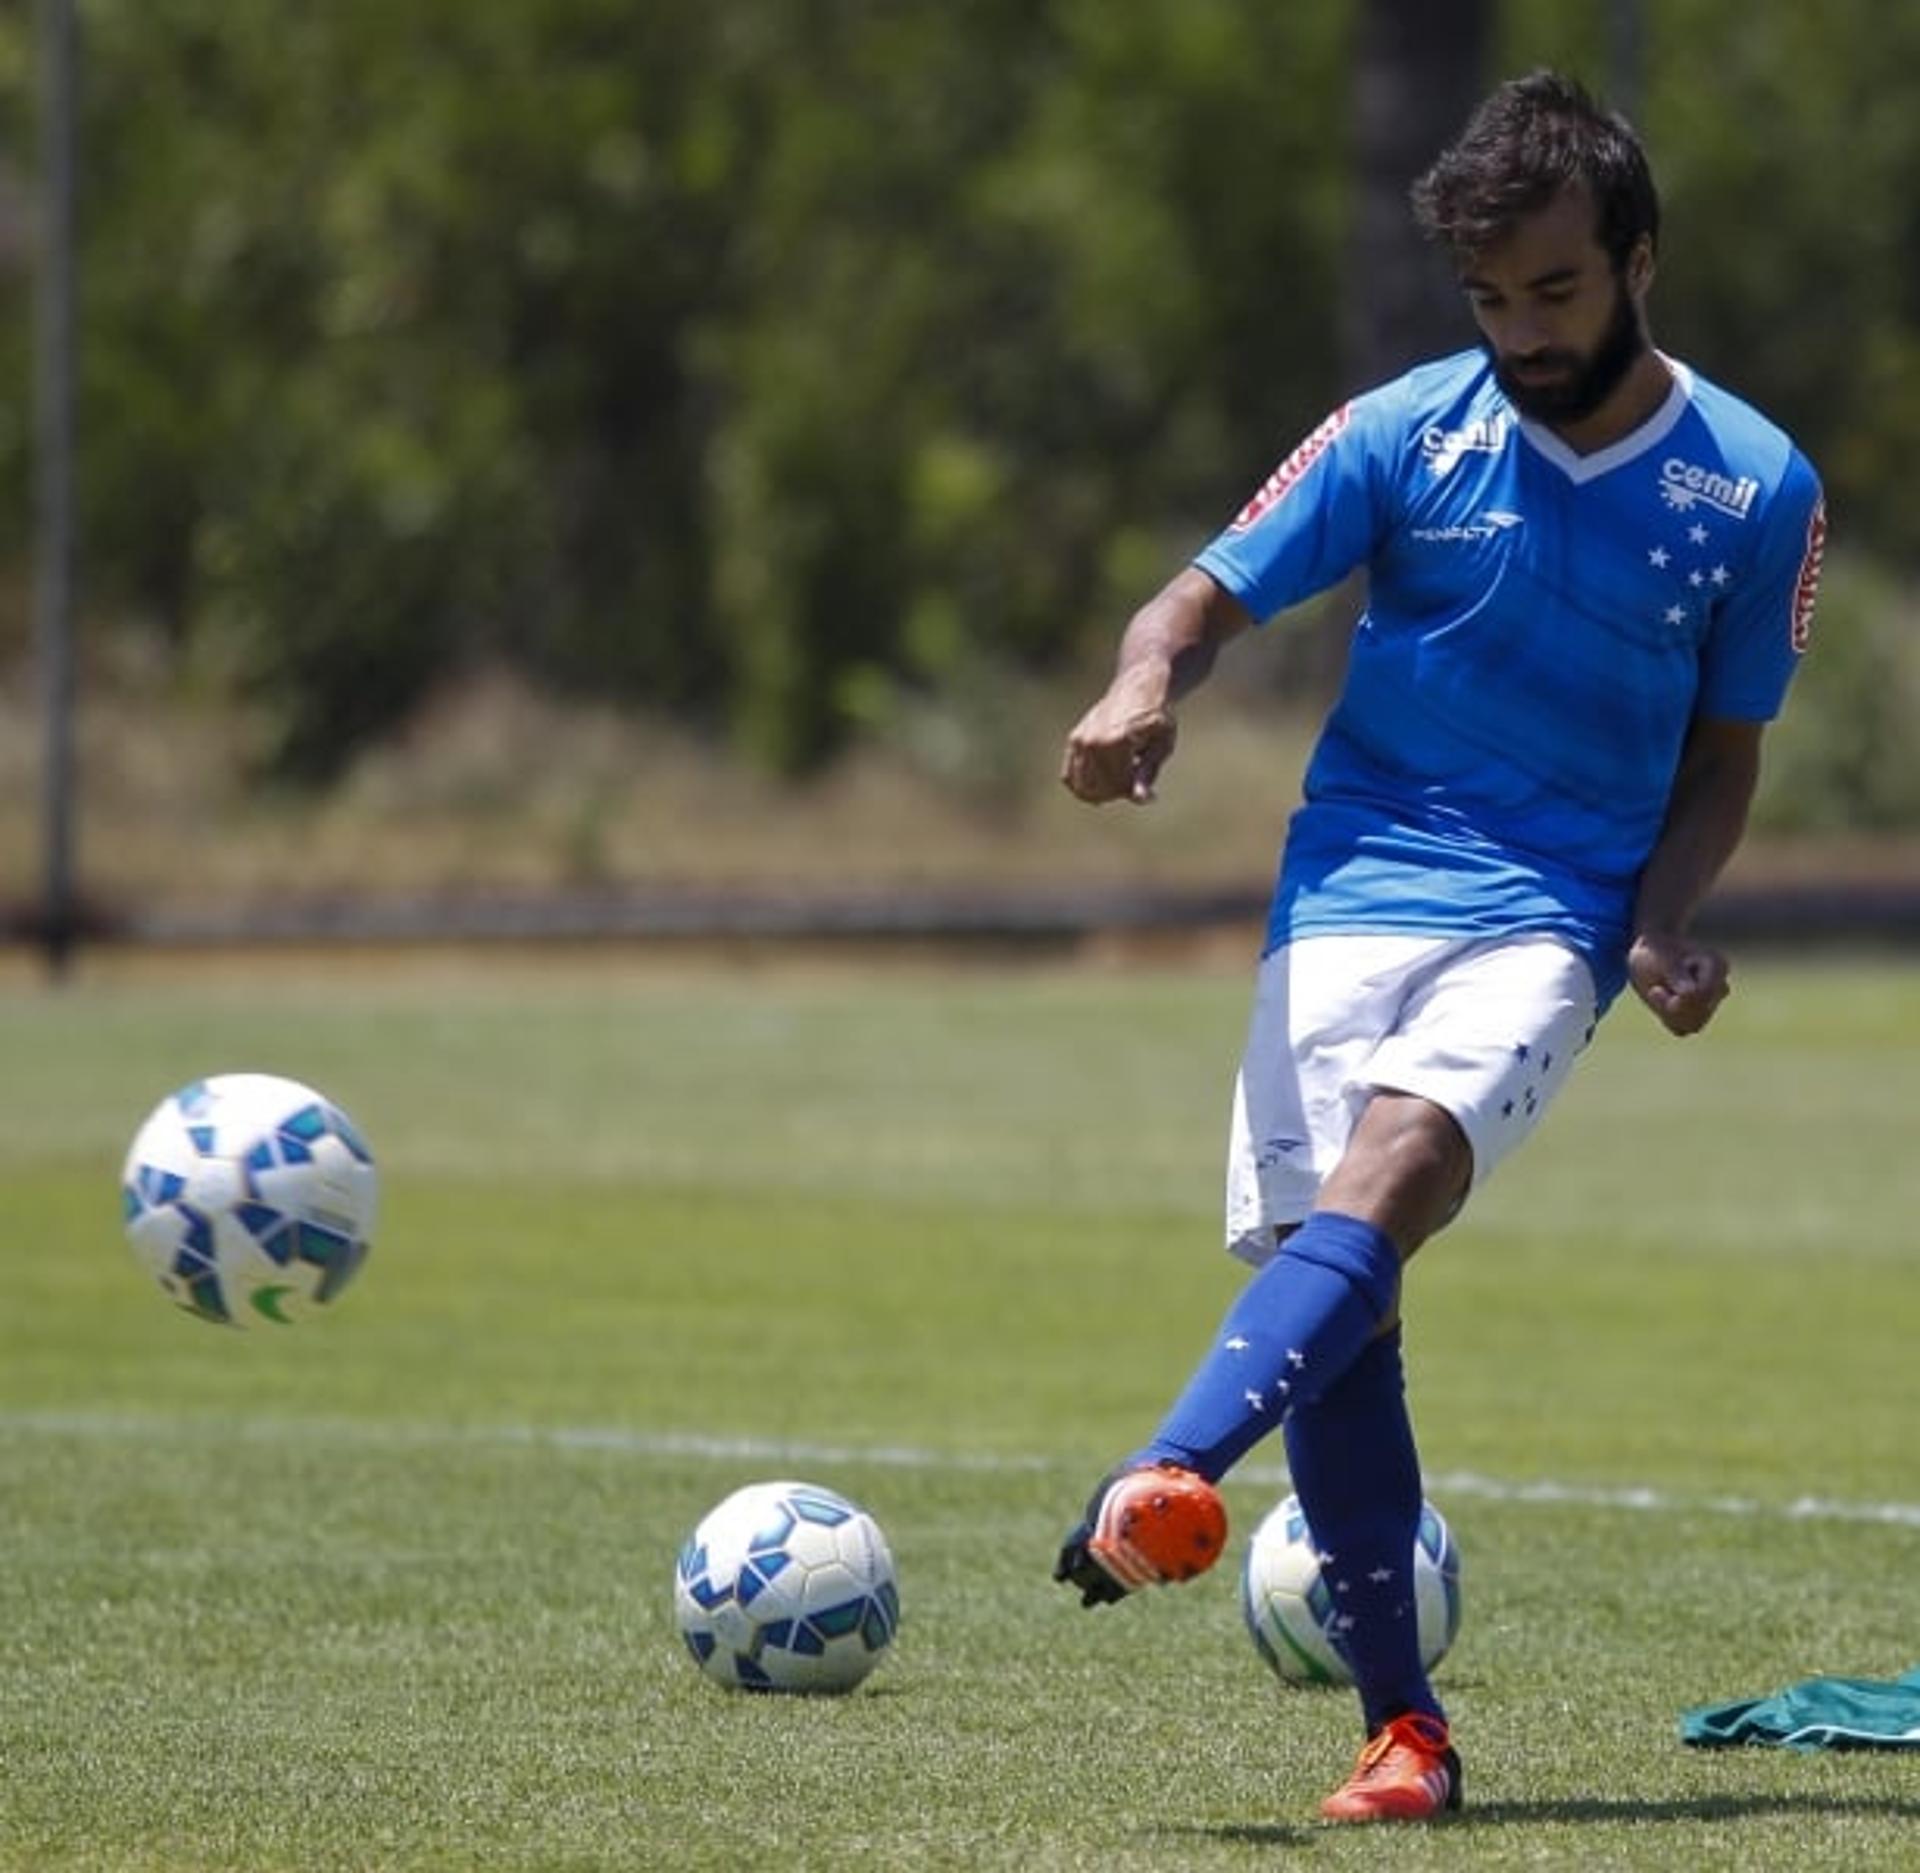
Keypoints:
pixel 986 269
pixel 794 370
pixel 1844 756
pixel 774 369
pixel 1788 270
pixel 388 301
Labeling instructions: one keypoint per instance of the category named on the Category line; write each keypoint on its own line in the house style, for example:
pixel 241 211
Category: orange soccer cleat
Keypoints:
pixel 1143 1528
pixel 1407 1772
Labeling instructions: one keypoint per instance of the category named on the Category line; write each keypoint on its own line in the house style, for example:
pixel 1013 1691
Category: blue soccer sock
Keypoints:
pixel 1296 1326
pixel 1355 1469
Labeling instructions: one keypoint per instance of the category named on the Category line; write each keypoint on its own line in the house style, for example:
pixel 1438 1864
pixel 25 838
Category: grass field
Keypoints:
pixel 392 1591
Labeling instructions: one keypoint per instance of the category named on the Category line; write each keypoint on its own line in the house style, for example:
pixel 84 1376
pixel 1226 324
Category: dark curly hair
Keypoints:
pixel 1530 139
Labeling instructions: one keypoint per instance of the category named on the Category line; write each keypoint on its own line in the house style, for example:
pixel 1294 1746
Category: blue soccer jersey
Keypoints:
pixel 1541 629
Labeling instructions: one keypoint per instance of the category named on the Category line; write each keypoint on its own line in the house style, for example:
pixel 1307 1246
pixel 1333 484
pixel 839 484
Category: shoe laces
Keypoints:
pixel 1415 1732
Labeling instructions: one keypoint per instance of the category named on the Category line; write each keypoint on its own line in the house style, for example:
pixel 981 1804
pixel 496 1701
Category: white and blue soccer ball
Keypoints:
pixel 250 1199
pixel 786 1587
pixel 1291 1600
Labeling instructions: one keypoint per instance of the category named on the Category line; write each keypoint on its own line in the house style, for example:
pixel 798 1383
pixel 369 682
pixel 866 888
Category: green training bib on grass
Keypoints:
pixel 1819 1713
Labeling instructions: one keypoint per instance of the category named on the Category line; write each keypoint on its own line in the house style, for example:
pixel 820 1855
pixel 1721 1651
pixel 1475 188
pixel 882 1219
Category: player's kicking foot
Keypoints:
pixel 1407 1772
pixel 1143 1528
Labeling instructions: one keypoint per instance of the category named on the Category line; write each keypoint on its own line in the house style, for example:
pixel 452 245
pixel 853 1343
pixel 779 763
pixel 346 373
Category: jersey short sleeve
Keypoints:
pixel 1319 515
pixel 1759 636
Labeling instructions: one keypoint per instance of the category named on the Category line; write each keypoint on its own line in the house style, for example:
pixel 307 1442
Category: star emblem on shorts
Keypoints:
pixel 1238 1344
pixel 1380 1576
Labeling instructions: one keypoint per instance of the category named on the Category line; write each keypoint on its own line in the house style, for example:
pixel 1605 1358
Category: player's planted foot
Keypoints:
pixel 1407 1772
pixel 1143 1528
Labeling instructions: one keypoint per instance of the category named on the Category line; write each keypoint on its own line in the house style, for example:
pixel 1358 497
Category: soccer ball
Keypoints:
pixel 249 1199
pixel 786 1587
pixel 1293 1611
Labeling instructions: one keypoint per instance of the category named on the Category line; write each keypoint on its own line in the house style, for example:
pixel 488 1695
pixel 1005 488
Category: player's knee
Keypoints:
pixel 1428 1153
pixel 1413 1163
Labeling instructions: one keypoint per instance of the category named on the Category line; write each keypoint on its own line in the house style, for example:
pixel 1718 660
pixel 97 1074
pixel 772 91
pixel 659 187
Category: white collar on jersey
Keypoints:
pixel 1655 430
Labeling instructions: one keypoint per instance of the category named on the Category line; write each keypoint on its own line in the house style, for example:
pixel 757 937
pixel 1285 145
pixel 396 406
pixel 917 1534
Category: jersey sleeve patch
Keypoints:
pixel 1807 586
pixel 1277 485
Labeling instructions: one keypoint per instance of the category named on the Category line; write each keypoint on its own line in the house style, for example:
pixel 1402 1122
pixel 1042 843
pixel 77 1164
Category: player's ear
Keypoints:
pixel 1639 268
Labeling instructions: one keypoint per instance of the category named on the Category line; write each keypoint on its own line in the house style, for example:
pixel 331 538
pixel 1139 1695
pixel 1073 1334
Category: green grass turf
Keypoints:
pixel 392 1590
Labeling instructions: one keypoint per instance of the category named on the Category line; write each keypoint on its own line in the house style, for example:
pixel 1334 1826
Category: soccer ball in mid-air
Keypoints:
pixel 249 1199
pixel 1290 1595
pixel 786 1587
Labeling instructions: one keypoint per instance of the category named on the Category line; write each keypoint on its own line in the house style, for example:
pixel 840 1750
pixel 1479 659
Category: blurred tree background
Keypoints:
pixel 773 368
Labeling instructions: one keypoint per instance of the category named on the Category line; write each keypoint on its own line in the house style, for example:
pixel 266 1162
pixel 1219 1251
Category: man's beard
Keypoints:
pixel 1587 381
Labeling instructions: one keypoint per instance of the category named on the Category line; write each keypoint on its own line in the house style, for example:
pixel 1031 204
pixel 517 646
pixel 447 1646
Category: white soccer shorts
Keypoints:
pixel 1485 1028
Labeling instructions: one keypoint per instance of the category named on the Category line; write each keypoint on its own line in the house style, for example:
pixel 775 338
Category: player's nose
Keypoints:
pixel 1525 336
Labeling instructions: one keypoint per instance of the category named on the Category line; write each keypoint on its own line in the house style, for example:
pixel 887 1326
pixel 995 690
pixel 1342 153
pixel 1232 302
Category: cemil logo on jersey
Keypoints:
pixel 1685 486
pixel 1443 448
pixel 1275 488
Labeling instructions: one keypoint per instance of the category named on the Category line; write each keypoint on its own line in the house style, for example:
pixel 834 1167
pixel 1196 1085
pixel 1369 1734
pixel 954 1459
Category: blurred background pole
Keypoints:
pixel 1418 70
pixel 1626 58
pixel 54 556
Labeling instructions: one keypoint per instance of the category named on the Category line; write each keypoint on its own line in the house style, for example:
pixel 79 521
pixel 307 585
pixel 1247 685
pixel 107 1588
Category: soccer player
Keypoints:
pixel 1590 576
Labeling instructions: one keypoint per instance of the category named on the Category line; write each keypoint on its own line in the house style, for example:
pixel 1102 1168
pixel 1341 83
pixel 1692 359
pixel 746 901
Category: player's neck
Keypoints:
pixel 1634 400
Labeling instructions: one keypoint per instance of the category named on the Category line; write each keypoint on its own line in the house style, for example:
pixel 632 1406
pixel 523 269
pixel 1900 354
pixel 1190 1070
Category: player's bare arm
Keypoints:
pixel 1681 979
pixel 1117 749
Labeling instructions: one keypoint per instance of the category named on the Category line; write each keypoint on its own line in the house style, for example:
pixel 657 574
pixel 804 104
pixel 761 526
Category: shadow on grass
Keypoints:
pixel 1686 1808
pixel 1584 1809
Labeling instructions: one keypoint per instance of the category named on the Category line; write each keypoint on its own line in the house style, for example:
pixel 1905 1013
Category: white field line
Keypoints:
pixel 786 1453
